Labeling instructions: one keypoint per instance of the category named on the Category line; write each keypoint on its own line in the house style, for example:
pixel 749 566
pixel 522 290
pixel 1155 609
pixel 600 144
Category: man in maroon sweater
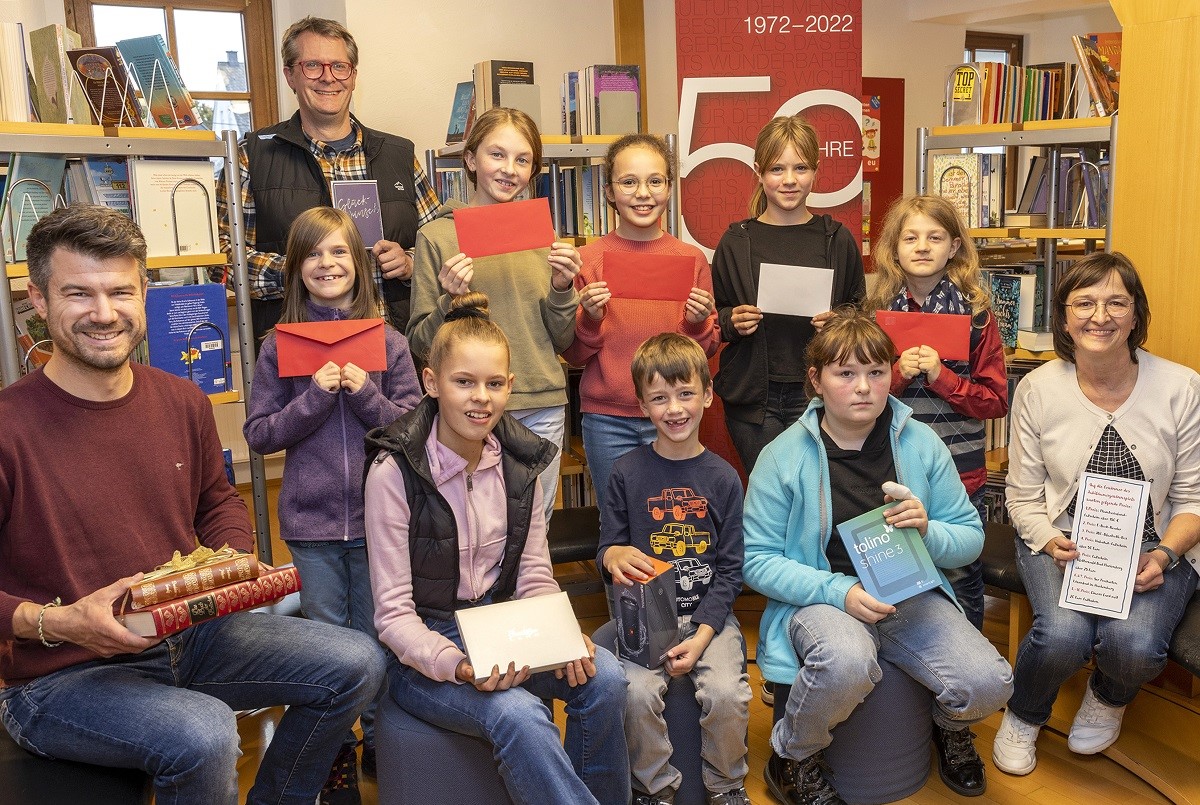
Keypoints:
pixel 106 468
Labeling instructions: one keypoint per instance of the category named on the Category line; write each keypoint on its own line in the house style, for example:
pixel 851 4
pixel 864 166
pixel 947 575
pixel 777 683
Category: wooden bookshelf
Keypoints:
pixel 16 270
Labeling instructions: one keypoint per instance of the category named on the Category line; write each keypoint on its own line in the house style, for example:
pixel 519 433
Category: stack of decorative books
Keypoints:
pixel 203 585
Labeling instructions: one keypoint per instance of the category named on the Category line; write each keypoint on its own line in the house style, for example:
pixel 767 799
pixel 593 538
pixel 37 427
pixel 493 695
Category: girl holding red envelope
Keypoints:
pixel 321 421
pixel 532 291
pixel 639 168
pixel 926 262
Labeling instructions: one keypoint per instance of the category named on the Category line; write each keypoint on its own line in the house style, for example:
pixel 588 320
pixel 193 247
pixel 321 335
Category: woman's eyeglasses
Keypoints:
pixel 1086 308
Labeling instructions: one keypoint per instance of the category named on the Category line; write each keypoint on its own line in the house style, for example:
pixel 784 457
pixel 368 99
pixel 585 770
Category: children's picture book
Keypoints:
pixel 174 202
pixel 33 338
pixel 107 85
pixel 1101 77
pixel 34 184
pixel 187 333
pixel 647 624
pixel 462 112
pixel 15 99
pixel 1015 303
pixel 169 101
pixel 359 198
pixel 59 97
pixel 892 563
pixel 108 180
pixel 957 177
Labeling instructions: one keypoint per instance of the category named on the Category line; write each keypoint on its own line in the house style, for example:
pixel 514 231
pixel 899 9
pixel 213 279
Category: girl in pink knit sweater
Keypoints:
pixel 640 170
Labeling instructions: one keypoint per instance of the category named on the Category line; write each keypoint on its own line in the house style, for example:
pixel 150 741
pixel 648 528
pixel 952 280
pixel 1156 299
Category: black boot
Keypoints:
pixel 800 782
pixel 958 763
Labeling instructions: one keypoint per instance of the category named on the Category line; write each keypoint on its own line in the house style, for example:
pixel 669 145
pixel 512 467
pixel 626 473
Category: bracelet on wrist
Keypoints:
pixel 57 602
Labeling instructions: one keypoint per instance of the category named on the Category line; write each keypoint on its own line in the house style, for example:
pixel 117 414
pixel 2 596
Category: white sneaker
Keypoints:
pixel 1015 750
pixel 1096 726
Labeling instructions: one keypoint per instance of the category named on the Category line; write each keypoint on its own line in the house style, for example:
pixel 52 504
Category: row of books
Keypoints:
pixel 494 83
pixel 204 585
pixel 582 210
pixel 132 83
pixel 1012 94
pixel 993 92
pixel 173 200
pixel 601 99
pixel 1083 187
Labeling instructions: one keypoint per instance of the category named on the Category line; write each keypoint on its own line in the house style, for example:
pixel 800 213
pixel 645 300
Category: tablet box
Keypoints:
pixel 647 626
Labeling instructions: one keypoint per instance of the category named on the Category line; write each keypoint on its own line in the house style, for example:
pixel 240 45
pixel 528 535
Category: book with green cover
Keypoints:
pixel 892 563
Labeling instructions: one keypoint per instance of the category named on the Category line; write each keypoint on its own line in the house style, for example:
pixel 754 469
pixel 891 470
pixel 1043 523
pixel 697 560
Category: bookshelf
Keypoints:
pixel 78 141
pixel 559 151
pixel 1050 136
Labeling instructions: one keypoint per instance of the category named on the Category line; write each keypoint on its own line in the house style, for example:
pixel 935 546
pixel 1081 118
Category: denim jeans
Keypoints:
pixel 549 423
pixel 169 710
pixel 335 588
pixel 967 580
pixel 605 439
pixel 785 403
pixel 535 766
pixel 723 691
pixel 927 637
pixel 1128 652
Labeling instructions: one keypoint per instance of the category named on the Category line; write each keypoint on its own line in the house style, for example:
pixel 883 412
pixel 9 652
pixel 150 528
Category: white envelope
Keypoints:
pixel 794 290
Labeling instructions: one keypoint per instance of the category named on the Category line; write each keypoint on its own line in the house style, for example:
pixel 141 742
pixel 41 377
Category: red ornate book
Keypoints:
pixel 175 616
pixel 193 580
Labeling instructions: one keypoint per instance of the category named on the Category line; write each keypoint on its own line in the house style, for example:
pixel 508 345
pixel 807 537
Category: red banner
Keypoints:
pixel 742 63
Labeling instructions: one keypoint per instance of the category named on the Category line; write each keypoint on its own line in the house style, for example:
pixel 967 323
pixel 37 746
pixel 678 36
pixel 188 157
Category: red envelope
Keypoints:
pixel 307 346
pixel 667 277
pixel 949 334
pixel 502 228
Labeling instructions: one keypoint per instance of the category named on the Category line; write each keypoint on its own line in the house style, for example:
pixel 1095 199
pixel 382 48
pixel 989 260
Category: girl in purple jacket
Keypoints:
pixel 320 420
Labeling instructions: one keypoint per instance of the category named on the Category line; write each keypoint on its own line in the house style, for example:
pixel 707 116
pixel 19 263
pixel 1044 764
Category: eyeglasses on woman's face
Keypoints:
pixel 1117 308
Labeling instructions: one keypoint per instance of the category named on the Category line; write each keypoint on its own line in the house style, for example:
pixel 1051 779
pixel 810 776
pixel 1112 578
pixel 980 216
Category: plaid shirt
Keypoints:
pixel 266 268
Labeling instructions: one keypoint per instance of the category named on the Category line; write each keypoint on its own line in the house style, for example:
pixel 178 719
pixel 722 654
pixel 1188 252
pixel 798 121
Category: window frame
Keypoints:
pixel 258 26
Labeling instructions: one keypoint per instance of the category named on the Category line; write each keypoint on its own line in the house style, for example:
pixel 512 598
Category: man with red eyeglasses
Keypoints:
pixel 286 169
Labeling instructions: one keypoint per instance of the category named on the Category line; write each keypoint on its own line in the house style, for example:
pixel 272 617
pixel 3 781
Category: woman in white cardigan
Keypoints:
pixel 1105 406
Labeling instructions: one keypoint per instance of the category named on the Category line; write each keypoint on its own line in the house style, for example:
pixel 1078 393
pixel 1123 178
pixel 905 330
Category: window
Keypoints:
pixel 1004 48
pixel 207 39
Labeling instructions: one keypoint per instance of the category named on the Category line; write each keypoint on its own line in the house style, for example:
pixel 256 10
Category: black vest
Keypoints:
pixel 286 180
pixel 432 531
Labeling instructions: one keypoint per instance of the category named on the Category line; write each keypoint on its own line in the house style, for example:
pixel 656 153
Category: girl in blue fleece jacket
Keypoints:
pixel 821 632
pixel 320 420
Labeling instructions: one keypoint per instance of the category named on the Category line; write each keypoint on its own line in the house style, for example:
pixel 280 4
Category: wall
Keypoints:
pixel 410 62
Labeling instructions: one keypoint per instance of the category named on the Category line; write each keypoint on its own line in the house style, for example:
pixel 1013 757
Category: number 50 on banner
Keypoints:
pixel 688 159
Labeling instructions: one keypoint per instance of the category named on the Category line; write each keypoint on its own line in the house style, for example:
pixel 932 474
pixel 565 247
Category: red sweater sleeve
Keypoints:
pixel 985 395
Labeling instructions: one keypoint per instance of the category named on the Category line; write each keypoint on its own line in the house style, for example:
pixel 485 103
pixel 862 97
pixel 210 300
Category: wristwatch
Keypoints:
pixel 1172 557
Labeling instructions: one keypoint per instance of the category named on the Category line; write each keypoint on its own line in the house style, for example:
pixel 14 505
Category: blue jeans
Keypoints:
pixel 605 439
pixel 967 580
pixel 551 424
pixel 169 710
pixel 335 588
pixel 533 763
pixel 927 637
pixel 1128 653
pixel 785 403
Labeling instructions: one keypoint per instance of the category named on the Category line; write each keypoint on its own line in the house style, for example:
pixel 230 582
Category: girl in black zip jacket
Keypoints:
pixel 761 375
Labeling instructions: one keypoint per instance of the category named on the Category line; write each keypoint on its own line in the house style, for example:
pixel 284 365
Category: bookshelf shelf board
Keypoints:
pixel 1067 232
pixel 75 145
pixel 1068 123
pixel 980 128
pixel 146 133
pixel 1026 355
pixel 997 232
pixel 553 147
pixel 222 397
pixel 45 129
pixel 996 459
pixel 186 260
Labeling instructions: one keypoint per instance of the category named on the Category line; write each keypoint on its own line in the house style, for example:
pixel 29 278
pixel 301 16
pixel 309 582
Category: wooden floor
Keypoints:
pixel 1061 777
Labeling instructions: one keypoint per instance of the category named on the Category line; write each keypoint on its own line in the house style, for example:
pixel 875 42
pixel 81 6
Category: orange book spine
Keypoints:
pixel 195 580
pixel 175 616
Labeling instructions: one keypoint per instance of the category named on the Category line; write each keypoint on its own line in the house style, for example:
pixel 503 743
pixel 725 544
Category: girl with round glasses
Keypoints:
pixel 640 168
pixel 1105 406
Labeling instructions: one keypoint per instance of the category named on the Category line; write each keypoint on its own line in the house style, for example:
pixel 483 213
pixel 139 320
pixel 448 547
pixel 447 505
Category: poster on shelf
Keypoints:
pixel 739 66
